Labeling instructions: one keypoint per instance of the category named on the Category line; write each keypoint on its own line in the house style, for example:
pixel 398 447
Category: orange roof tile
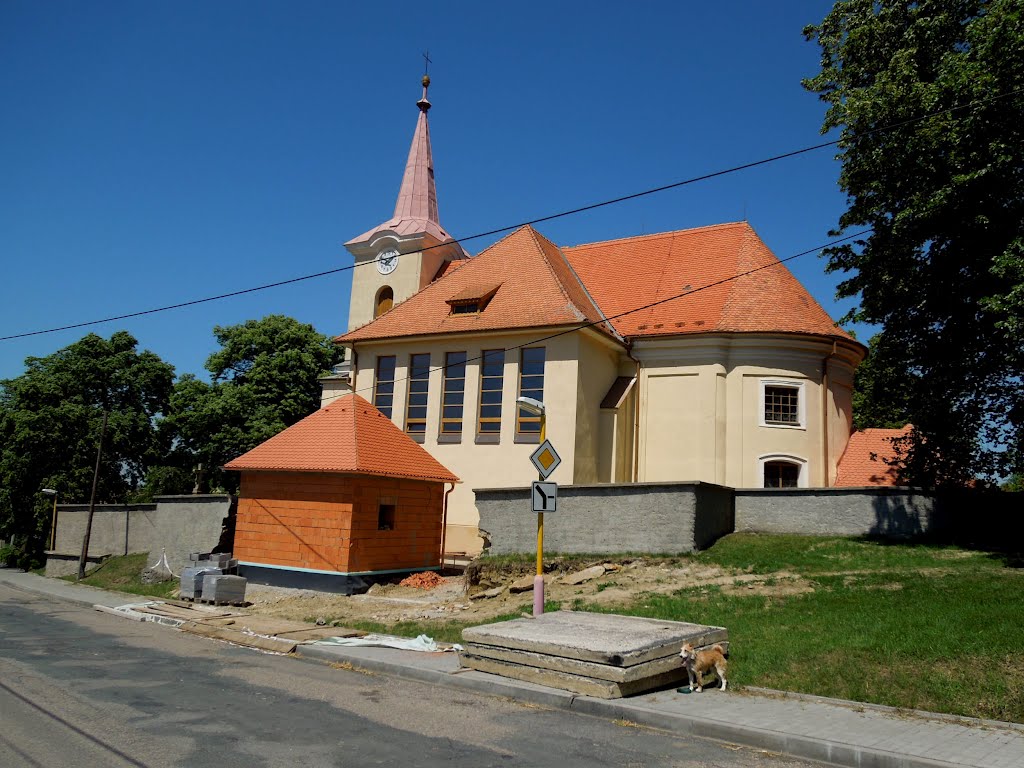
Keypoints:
pixel 537 288
pixel 624 274
pixel 349 435
pixel 864 460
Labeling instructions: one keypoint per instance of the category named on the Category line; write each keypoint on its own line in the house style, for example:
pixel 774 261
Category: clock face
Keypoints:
pixel 387 261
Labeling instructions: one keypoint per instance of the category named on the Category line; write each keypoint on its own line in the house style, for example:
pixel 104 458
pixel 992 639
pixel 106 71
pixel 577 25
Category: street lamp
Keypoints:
pixel 536 407
pixel 53 517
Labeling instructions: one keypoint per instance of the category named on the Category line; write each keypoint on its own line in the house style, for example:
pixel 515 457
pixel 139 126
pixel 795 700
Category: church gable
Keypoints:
pixel 522 281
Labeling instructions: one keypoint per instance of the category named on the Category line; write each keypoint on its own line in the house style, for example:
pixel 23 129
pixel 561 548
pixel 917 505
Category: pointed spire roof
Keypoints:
pixel 416 207
pixel 349 436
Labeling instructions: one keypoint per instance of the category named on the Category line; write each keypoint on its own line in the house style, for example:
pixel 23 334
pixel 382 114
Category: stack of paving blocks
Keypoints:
pixel 191 585
pixel 595 654
pixel 223 588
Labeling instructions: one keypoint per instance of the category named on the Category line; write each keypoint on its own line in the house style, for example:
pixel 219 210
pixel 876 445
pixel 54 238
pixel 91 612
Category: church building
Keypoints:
pixel 680 356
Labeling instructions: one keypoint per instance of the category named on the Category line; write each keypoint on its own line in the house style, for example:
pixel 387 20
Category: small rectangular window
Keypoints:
pixel 386 513
pixel 416 401
pixel 453 393
pixel 531 384
pixel 492 378
pixel 384 384
pixel 781 405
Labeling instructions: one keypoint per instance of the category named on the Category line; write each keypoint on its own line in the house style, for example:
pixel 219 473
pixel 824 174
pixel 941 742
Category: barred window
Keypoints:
pixel 384 384
pixel 781 405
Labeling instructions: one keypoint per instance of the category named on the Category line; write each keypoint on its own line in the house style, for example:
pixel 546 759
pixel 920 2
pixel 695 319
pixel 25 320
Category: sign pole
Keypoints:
pixel 538 580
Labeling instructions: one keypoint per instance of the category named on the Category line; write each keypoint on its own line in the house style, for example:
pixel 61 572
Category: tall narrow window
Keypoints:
pixel 416 404
pixel 492 376
pixel 453 394
pixel 531 384
pixel 385 300
pixel 384 385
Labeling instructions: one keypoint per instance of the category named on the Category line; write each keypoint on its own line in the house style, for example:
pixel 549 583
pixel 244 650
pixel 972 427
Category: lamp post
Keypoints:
pixel 536 407
pixel 53 517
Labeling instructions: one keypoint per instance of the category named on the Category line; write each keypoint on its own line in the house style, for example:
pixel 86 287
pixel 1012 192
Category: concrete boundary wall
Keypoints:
pixel 870 511
pixel 682 517
pixel 178 524
pixel 640 517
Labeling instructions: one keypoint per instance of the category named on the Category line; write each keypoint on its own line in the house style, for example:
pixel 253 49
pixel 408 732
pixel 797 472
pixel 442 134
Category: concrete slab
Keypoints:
pixel 620 641
pixel 588 686
pixel 590 669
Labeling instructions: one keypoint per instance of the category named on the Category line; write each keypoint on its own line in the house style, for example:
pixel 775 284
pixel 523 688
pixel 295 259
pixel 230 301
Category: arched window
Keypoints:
pixel 782 471
pixel 385 300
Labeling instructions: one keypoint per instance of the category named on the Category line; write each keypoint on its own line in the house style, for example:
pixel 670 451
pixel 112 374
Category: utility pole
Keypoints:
pixel 92 501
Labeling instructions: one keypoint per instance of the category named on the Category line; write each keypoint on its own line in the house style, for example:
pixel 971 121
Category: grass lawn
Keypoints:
pixel 122 574
pixel 923 627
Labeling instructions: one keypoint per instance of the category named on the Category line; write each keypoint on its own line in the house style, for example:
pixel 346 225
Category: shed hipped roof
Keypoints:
pixel 350 436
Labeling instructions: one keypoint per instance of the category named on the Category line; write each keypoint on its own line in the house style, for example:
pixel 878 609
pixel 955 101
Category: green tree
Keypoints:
pixel 50 420
pixel 881 390
pixel 942 269
pixel 265 377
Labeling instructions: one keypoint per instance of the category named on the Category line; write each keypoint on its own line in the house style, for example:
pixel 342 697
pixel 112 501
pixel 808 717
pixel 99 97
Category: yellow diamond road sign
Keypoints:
pixel 545 459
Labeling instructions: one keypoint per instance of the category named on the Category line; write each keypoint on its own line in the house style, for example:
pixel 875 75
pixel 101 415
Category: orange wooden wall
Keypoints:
pixel 328 522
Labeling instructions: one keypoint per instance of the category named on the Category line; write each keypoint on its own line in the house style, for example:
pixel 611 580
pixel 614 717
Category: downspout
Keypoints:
pixel 824 412
pixel 444 523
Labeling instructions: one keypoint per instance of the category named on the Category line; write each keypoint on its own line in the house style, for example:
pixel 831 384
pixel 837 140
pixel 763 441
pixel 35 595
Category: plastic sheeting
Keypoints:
pixel 421 643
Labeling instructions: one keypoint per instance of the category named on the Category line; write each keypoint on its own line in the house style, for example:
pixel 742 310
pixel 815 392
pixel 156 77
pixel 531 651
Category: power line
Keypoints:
pixel 608 319
pixel 570 212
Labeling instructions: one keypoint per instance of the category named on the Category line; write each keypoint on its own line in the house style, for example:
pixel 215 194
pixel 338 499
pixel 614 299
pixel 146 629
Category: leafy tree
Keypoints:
pixel 881 390
pixel 265 377
pixel 50 421
pixel 942 269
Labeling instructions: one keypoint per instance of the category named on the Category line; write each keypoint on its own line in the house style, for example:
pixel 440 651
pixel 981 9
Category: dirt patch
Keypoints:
pixel 483 591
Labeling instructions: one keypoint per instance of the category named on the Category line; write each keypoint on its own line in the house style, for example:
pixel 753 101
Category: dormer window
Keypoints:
pixel 472 300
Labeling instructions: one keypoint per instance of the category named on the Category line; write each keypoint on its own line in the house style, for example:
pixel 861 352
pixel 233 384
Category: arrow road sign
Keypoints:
pixel 545 497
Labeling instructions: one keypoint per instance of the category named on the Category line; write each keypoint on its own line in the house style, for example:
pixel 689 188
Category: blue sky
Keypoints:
pixel 153 153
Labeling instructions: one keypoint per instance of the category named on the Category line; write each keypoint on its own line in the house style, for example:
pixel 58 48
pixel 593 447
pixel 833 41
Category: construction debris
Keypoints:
pixel 424 580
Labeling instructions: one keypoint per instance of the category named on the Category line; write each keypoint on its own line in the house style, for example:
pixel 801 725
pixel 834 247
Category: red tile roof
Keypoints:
pixel 349 435
pixel 624 274
pixel 864 461
pixel 537 288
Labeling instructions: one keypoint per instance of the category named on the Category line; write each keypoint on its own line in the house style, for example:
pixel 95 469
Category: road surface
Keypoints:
pixel 84 688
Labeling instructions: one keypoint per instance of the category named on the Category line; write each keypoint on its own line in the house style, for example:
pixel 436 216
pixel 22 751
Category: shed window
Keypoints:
pixel 386 513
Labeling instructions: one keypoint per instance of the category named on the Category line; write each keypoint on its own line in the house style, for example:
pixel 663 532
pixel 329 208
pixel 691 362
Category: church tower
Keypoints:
pixel 399 257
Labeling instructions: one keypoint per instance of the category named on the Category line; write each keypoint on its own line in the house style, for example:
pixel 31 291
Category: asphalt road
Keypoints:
pixel 79 687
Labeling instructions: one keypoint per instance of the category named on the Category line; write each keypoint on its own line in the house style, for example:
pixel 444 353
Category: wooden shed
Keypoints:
pixel 343 492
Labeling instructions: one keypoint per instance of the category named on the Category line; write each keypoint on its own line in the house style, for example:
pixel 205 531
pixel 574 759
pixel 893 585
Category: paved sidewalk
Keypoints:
pixel 839 732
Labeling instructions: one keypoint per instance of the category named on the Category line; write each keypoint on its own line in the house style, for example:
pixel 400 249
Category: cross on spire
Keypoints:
pixel 426 62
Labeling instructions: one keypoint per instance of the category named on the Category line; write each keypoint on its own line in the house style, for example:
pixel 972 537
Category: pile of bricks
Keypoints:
pixel 424 580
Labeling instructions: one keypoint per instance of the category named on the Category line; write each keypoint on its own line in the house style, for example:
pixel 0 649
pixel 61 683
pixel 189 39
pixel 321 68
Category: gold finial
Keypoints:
pixel 426 81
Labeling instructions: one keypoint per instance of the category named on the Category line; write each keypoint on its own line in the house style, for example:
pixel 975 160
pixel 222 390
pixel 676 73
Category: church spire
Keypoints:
pixel 417 197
